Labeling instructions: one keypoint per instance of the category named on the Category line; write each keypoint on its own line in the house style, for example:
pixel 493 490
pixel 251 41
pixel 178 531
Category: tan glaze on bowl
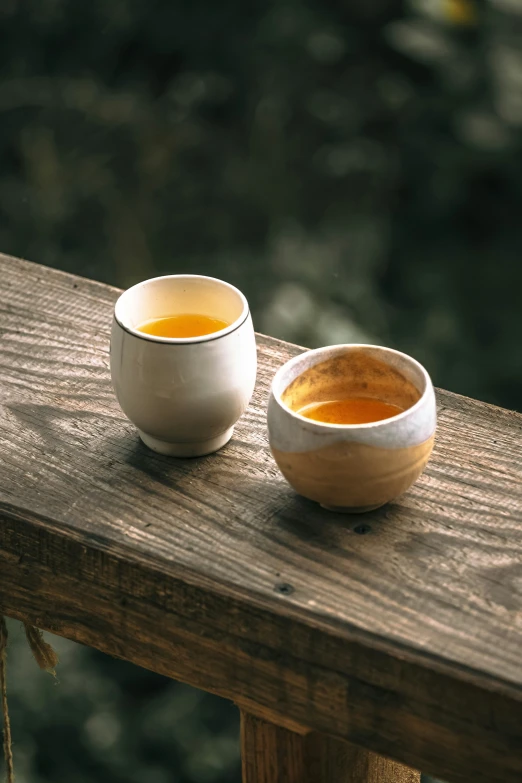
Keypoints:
pixel 359 467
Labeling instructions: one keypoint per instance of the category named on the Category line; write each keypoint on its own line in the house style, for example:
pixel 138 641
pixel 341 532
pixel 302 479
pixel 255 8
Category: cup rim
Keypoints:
pixel 323 425
pixel 204 338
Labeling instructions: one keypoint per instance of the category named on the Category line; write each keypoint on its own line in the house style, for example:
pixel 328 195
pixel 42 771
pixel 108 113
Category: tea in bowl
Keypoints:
pixel 351 426
pixel 183 361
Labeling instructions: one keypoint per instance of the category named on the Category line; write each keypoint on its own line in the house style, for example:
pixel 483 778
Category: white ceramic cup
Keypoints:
pixel 352 467
pixel 183 394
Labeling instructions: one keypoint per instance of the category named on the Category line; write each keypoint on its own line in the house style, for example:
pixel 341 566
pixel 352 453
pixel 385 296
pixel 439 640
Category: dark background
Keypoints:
pixel 353 166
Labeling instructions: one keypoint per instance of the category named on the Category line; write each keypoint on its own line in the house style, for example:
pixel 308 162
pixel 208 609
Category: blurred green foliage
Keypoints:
pixel 107 720
pixel 353 165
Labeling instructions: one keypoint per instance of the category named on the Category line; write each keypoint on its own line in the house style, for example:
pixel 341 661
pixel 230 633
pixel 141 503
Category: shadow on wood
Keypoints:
pixel 271 754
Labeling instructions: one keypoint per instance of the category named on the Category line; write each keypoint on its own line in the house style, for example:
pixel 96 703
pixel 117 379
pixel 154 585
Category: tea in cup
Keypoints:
pixel 183 361
pixel 351 426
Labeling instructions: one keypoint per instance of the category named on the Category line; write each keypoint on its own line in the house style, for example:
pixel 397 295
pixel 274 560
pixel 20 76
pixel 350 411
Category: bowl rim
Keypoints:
pixel 204 338
pixel 339 349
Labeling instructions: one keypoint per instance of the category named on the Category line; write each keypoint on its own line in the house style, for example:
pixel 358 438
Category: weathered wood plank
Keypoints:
pixel 271 754
pixel 400 631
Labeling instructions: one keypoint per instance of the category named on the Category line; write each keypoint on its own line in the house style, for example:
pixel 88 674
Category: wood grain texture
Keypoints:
pixel 271 754
pixel 331 760
pixel 400 631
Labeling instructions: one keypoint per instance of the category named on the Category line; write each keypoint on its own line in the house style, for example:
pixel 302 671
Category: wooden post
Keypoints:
pixel 271 754
pixel 333 761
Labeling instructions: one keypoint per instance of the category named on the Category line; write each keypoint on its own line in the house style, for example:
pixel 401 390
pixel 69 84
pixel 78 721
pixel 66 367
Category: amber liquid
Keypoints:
pixel 354 410
pixel 183 325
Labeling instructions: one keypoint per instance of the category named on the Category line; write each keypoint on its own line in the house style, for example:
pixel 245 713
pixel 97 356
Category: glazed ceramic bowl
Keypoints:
pixel 183 394
pixel 351 467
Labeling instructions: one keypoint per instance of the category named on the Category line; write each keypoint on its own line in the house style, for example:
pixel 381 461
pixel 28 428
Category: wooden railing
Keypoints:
pixel 345 641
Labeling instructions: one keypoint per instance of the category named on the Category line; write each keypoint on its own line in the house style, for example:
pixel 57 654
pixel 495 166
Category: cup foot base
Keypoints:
pixel 351 509
pixel 187 449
